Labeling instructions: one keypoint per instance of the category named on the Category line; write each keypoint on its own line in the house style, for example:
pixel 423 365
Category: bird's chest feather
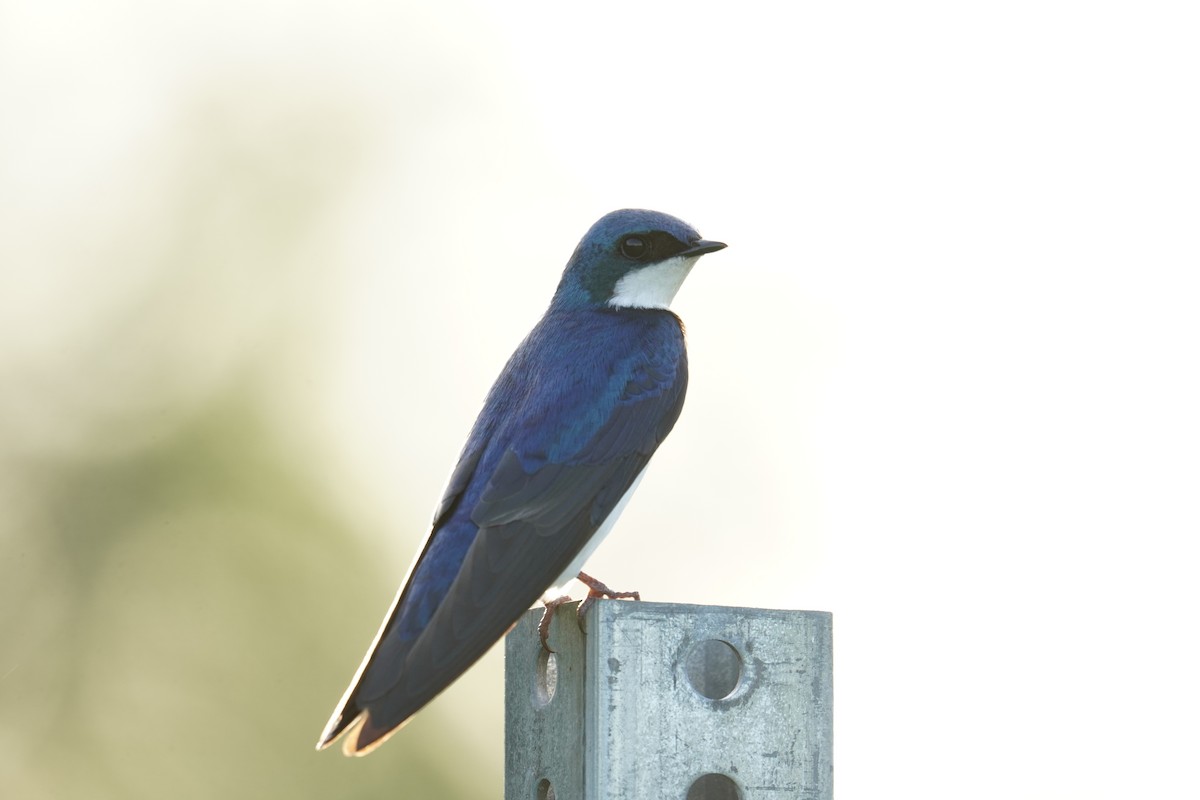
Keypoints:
pixel 577 372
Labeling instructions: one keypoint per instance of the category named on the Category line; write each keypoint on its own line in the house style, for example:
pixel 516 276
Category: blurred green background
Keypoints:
pixel 183 599
pixel 259 263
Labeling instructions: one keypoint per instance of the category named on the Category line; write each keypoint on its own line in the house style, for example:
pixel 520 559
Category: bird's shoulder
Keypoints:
pixel 575 371
pixel 582 387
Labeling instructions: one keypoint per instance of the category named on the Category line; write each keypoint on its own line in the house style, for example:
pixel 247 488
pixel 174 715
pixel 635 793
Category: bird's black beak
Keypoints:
pixel 702 246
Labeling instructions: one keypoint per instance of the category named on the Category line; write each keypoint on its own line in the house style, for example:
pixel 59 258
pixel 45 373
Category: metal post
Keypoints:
pixel 662 701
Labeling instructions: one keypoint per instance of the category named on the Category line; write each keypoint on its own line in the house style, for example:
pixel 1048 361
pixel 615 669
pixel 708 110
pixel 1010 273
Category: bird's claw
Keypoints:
pixel 596 590
pixel 547 616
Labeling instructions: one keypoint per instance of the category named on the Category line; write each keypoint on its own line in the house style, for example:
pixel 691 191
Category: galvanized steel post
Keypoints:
pixel 661 701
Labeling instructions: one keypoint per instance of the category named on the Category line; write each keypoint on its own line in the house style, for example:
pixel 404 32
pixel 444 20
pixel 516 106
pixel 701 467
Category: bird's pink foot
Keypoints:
pixel 596 590
pixel 547 616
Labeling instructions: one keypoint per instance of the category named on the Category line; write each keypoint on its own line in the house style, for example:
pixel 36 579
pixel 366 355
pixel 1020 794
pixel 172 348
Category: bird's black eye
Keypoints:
pixel 635 248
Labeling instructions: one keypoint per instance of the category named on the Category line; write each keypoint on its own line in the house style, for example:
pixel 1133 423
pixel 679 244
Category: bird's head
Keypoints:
pixel 631 259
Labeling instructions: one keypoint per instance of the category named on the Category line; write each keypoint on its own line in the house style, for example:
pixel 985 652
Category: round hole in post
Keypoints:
pixel 545 680
pixel 544 790
pixel 713 786
pixel 714 668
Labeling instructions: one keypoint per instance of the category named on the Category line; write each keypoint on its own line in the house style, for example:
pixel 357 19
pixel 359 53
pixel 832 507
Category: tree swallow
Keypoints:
pixel 561 443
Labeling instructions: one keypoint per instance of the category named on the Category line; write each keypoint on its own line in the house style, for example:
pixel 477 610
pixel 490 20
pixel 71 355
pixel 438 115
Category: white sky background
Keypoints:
pixel 944 379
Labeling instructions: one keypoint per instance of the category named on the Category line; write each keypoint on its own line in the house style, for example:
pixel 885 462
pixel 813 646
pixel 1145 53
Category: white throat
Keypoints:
pixel 653 286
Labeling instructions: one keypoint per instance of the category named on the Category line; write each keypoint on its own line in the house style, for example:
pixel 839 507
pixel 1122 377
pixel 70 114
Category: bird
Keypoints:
pixel 561 442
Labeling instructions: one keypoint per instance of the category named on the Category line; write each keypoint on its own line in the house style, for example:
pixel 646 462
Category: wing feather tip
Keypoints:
pixel 359 735
pixel 364 737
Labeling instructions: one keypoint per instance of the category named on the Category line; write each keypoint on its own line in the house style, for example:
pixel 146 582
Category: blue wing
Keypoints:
pixel 567 428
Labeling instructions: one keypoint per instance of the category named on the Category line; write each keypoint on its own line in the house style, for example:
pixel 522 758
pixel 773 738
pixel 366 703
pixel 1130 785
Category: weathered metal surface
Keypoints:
pixel 658 696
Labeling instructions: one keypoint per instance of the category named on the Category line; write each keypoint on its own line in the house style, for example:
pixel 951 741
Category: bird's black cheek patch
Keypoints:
pixel 601 281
